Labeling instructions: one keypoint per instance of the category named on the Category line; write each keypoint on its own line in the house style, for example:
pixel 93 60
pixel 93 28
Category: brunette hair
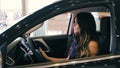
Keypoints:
pixel 87 31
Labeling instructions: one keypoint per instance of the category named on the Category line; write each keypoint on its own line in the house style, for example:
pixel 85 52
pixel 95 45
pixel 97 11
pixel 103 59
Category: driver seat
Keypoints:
pixel 105 35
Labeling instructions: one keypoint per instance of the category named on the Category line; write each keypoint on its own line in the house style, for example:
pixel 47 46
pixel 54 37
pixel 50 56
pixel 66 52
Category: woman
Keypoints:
pixel 84 41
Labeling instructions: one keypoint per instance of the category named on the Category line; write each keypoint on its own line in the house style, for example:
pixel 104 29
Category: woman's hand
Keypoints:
pixel 52 58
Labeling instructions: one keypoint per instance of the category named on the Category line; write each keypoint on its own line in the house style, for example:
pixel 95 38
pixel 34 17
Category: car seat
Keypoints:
pixel 105 35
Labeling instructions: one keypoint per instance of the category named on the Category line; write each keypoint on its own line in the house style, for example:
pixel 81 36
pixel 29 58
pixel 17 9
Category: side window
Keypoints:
pixel 53 26
pixel 98 16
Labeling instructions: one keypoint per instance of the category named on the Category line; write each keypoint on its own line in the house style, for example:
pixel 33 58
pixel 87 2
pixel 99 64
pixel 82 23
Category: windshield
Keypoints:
pixel 11 13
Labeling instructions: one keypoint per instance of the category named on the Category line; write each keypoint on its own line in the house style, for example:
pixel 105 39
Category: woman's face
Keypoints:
pixel 76 27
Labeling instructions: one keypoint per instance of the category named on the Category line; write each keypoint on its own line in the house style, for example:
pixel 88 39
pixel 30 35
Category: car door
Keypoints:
pixel 102 61
pixel 54 33
pixel 62 7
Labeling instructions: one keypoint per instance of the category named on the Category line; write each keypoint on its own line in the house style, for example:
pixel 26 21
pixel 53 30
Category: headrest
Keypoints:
pixel 105 25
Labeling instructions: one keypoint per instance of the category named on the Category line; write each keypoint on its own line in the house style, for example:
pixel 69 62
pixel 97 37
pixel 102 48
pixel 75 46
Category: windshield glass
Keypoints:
pixel 11 13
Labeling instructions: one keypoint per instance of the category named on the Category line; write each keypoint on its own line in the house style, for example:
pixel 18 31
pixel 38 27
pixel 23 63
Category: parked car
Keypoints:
pixel 19 44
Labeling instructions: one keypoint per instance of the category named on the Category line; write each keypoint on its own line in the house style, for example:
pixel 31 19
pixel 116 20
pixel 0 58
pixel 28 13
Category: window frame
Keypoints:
pixel 29 19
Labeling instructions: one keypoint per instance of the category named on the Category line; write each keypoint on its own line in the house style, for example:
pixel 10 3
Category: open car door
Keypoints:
pixel 59 43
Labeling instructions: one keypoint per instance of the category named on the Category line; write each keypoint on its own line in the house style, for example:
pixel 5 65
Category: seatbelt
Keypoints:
pixel 71 53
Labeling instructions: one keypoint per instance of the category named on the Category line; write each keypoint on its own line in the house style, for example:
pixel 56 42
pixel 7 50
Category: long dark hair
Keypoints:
pixel 87 31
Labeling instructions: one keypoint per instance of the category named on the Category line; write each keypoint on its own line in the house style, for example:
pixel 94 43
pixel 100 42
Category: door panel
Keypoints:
pixel 58 45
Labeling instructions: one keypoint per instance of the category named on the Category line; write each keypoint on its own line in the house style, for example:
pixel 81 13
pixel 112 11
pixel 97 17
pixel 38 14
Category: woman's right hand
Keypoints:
pixel 51 58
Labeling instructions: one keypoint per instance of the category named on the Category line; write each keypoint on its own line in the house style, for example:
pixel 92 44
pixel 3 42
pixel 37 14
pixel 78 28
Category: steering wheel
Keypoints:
pixel 37 56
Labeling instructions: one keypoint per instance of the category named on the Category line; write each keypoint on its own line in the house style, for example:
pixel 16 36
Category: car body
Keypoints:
pixel 12 47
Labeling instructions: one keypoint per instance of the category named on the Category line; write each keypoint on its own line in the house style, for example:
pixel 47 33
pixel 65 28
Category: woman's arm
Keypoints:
pixel 93 47
pixel 52 58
